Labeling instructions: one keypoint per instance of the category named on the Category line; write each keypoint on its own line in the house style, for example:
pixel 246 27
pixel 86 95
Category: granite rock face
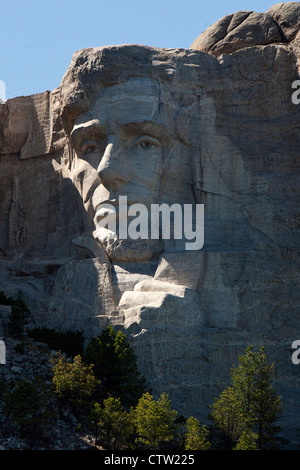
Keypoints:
pixel 236 31
pixel 213 126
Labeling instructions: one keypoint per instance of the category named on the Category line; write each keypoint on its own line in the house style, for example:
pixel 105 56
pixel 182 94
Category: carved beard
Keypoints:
pixel 127 250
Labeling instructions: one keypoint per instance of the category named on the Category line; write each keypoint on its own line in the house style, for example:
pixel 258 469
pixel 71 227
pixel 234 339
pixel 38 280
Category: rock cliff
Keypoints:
pixel 233 144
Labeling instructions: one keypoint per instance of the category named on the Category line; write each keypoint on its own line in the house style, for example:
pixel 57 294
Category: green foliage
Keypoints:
pixel 253 381
pixel 115 364
pixel 229 417
pixel 27 405
pixel 73 381
pixel 247 411
pixel 19 317
pixel 155 421
pixel 19 314
pixel 196 435
pixel 112 424
pixel 247 441
pixel 69 342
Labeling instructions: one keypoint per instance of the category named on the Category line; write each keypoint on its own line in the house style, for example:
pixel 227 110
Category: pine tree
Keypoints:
pixel 247 441
pixel 112 424
pixel 155 421
pixel 115 364
pixel 252 379
pixel 247 411
pixel 196 435
pixel 229 417
pixel 73 380
pixel 29 405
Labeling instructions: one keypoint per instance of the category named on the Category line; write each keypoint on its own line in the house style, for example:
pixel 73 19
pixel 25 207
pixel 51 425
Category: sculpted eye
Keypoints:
pixel 89 147
pixel 146 143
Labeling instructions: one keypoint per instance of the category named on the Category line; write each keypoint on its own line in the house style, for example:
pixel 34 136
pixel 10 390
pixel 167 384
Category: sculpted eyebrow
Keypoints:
pixel 147 127
pixel 86 131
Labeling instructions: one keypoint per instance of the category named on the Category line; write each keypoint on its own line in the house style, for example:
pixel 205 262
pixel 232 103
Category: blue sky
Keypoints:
pixel 39 37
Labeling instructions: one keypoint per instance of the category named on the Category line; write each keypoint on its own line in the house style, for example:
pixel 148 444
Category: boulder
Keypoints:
pixel 280 24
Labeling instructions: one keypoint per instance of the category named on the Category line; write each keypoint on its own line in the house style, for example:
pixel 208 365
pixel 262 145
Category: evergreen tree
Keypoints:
pixel 73 380
pixel 19 314
pixel 196 435
pixel 28 404
pixel 247 411
pixel 247 441
pixel 252 379
pixel 229 417
pixel 112 424
pixel 115 364
pixel 155 421
pixel 19 317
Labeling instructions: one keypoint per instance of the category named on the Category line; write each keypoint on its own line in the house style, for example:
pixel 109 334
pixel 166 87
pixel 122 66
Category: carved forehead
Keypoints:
pixel 134 92
pixel 134 86
pixel 138 100
pixel 94 70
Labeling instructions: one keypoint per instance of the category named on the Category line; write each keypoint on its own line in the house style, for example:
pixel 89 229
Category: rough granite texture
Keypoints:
pixel 234 139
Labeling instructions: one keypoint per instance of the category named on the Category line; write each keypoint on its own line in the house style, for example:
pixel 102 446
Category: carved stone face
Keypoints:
pixel 121 146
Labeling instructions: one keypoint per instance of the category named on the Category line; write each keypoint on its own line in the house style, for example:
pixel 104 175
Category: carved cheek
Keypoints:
pixel 86 179
pixel 147 168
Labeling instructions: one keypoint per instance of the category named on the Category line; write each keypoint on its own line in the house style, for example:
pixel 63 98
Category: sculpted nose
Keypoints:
pixel 111 169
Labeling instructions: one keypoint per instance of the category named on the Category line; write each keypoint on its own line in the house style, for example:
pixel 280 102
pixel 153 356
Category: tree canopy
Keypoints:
pixel 155 420
pixel 115 364
pixel 248 410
